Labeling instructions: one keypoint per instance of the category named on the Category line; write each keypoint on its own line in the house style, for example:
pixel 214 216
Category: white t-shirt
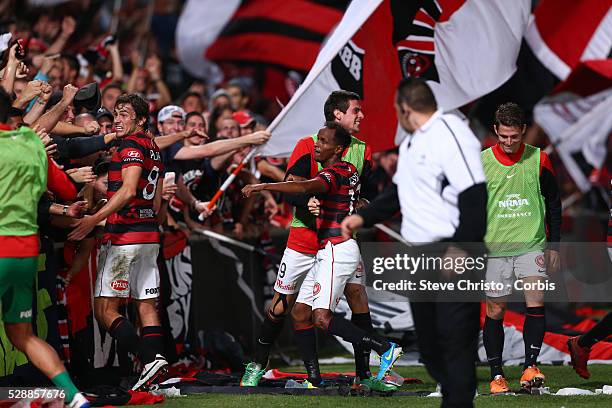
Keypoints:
pixel 436 163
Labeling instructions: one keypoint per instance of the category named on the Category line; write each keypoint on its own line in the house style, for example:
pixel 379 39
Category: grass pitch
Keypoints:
pixel 556 377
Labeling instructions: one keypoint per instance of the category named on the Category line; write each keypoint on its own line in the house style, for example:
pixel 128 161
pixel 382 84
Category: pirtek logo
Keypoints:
pixel 152 291
pixel 513 202
pixel 119 284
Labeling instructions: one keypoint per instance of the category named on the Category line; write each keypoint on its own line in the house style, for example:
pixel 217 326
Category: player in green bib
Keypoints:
pixel 523 204
pixel 23 180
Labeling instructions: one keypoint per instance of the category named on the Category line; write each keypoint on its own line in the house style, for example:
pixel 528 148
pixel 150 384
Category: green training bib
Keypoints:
pixel 515 207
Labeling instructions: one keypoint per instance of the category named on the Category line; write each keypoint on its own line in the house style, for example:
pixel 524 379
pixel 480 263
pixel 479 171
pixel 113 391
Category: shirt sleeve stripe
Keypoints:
pixel 460 150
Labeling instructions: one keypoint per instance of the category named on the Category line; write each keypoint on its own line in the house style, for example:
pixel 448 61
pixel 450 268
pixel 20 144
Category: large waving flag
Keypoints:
pixel 282 33
pixel 578 120
pixel 561 33
pixel 465 48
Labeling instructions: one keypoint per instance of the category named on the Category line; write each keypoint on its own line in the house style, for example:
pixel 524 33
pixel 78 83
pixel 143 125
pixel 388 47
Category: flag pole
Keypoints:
pixel 315 72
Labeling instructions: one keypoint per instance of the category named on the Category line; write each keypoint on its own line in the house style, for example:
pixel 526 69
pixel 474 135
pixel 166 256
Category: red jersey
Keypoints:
pixel 338 202
pixel 302 163
pixel 136 223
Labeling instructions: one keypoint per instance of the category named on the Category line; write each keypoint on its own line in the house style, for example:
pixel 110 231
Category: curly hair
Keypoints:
pixel 510 114
pixel 138 103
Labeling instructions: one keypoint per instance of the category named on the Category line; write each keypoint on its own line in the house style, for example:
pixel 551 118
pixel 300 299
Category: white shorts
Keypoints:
pixel 336 265
pixel 128 270
pixel 292 270
pixel 507 269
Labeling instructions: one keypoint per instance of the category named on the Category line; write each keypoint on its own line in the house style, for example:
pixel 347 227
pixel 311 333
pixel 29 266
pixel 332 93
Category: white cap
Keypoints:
pixel 167 111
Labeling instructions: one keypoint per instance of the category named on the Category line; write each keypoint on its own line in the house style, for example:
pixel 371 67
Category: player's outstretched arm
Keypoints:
pixel 292 187
pixel 219 147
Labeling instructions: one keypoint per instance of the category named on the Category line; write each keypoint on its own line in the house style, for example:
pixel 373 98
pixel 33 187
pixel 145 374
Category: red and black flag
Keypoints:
pixel 283 33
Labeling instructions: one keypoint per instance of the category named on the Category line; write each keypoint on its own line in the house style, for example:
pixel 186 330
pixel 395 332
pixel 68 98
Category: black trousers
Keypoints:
pixel 447 335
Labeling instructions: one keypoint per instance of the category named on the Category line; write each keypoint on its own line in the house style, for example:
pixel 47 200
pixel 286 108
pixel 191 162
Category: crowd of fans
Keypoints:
pixel 62 76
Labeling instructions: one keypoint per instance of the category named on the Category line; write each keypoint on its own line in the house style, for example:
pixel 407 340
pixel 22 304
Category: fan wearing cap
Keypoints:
pixel 246 122
pixel 171 120
pixel 105 119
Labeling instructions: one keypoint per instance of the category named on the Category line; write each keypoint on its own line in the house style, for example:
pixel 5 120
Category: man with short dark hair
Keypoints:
pixel 524 203
pixel 238 94
pixel 127 265
pixel 439 186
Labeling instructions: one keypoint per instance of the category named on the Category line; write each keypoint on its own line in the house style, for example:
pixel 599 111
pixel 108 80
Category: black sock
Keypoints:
pixel 599 332
pixel 362 354
pixel 127 338
pixel 533 334
pixel 353 334
pixel 493 339
pixel 306 340
pixel 269 333
pixel 153 338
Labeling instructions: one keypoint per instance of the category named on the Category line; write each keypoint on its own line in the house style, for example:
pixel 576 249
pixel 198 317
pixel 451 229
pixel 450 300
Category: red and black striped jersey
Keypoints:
pixel 136 222
pixel 338 202
pixel 302 164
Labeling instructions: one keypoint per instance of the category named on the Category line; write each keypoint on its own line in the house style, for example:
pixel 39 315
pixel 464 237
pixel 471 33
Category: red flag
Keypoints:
pixel 562 33
pixel 282 33
pixel 380 41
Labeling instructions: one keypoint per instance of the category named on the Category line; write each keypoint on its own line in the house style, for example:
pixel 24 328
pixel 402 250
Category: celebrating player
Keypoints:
pixel 127 264
pixel 523 202
pixel 337 259
pixel 295 270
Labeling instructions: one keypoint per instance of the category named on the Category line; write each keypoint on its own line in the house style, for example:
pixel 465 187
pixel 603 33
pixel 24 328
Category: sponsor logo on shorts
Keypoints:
pixel 540 261
pixel 316 289
pixel 119 284
pixel 152 291
pixel 281 285
pixel 25 314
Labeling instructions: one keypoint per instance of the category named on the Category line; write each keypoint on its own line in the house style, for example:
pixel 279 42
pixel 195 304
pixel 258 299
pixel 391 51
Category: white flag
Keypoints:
pixel 464 48
pixel 580 126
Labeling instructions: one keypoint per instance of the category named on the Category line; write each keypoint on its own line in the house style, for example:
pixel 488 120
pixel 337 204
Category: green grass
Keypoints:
pixel 556 377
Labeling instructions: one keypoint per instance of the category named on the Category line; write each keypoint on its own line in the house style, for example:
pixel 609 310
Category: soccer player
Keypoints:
pixel 344 108
pixel 523 203
pixel 23 166
pixel 127 264
pixel 337 258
